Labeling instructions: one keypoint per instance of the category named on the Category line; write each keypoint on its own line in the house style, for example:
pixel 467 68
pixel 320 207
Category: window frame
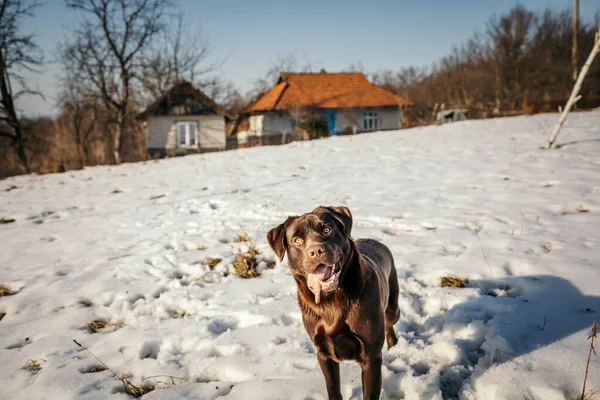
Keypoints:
pixel 187 142
pixel 370 120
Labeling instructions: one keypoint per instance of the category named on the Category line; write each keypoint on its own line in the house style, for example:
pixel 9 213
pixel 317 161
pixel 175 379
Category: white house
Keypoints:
pixel 184 120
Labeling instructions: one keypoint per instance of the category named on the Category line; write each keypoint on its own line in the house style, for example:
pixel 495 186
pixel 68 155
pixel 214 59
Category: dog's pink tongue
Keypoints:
pixel 314 281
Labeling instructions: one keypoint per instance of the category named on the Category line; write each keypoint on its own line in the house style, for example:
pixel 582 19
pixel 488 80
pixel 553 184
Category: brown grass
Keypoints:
pixel 449 281
pixel 100 325
pixel 33 365
pixel 592 336
pixel 86 303
pixel 245 263
pixel 117 191
pixel 242 237
pixel 6 291
pixel 159 196
pixel 212 262
pixel 7 221
pixel 97 368
pixel 130 388
pixel 579 210
pixel 202 247
pixel 11 187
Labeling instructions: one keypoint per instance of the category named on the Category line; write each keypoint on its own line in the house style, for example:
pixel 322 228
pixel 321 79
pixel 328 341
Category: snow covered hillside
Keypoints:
pixel 477 200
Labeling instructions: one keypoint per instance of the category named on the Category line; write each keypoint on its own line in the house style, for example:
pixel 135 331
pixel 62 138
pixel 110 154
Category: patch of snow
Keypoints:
pixel 477 200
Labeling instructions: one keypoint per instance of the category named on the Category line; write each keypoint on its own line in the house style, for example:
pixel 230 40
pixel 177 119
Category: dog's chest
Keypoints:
pixel 340 344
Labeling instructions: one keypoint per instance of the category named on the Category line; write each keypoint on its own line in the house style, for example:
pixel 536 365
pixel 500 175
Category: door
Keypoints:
pixel 331 122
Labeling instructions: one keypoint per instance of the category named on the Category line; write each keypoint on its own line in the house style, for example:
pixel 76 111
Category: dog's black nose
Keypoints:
pixel 316 251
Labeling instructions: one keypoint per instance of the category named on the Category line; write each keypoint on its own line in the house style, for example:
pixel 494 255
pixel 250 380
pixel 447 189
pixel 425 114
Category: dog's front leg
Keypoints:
pixel 331 371
pixel 371 378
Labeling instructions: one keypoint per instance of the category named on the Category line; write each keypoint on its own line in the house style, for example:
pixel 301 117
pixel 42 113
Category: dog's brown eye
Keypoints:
pixel 327 230
pixel 298 240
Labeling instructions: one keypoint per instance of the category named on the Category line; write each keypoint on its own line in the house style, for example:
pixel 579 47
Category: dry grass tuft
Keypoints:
pixel 117 191
pixel 97 368
pixel 100 325
pixel 578 210
pixel 242 237
pixel 159 196
pixel 4 221
pixel 174 313
pixel 449 281
pixel 136 391
pixel 202 247
pixel 6 291
pixel 130 388
pixel 212 262
pixel 11 187
pixel 86 303
pixel 33 365
pixel 245 263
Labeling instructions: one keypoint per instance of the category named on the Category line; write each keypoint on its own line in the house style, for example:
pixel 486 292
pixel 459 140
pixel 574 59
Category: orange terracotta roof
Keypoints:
pixel 323 90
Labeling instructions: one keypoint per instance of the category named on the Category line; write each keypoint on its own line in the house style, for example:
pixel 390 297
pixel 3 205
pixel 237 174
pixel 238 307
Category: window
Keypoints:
pixel 370 121
pixel 186 134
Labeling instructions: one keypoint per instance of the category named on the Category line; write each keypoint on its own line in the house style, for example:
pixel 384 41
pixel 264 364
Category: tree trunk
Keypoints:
pixel 575 37
pixel 20 147
pixel 575 96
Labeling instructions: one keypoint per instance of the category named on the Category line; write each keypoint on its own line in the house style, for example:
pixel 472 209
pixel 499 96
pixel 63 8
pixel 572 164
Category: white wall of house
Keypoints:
pixel 210 132
pixel 387 118
pixel 256 123
pixel 270 123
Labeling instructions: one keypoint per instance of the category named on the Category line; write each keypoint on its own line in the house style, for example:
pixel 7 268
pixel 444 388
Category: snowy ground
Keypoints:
pixel 437 196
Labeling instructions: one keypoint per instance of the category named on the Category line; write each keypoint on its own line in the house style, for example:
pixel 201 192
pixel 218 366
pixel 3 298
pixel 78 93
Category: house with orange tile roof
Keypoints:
pixel 347 101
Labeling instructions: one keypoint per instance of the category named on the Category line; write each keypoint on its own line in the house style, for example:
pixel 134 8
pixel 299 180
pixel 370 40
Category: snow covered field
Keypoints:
pixel 444 199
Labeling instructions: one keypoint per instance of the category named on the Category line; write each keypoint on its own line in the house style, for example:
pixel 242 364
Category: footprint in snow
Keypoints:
pixel 150 350
pixel 218 327
pixel 19 344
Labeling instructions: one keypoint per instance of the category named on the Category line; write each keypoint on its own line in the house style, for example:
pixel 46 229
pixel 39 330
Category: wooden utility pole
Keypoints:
pixel 575 35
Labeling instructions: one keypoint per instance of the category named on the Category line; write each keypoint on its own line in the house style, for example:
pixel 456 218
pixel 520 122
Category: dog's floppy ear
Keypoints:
pixel 277 240
pixel 343 216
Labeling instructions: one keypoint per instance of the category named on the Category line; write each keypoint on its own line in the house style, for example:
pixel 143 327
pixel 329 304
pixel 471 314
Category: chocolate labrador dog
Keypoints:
pixel 347 292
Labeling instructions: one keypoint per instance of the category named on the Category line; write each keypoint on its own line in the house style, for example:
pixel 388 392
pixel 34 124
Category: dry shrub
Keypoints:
pixel 449 281
pixel 245 263
pixel 6 291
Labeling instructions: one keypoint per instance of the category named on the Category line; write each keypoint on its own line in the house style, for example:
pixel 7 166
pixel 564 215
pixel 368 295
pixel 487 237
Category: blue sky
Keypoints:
pixel 248 36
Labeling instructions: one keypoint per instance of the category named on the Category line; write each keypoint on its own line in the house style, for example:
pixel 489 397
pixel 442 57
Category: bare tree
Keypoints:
pixel 287 63
pixel 108 45
pixel 18 53
pixel 79 106
pixel 179 54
